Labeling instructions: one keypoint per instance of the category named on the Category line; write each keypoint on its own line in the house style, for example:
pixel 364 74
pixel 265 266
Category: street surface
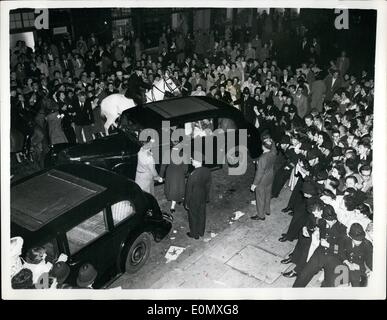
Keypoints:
pixel 233 254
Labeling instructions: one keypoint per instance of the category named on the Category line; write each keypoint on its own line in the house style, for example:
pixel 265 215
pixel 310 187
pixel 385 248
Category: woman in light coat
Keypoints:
pixel 146 172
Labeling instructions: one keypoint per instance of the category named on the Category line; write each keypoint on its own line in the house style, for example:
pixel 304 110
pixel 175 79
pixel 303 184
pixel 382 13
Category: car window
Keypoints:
pixel 200 128
pixel 226 124
pixel 87 231
pixel 122 210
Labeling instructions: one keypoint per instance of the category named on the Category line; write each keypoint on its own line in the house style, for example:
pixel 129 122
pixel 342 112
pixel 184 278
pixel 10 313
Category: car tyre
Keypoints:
pixel 138 253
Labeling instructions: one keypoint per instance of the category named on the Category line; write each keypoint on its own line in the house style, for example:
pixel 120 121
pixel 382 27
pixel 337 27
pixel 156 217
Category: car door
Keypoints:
pixel 90 241
pixel 202 139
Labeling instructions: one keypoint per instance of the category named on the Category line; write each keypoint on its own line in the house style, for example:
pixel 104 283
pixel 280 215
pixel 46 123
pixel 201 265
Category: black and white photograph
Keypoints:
pixel 198 150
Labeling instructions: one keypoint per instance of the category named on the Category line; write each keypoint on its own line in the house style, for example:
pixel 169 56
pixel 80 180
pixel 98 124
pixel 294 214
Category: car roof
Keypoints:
pixel 173 108
pixel 150 115
pixel 44 197
pixel 52 197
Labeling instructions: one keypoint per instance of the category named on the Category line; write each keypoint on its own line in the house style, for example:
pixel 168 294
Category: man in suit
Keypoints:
pixel 66 64
pixel 301 102
pixel 135 84
pixel 84 118
pixel 326 255
pixel 247 104
pixel 263 179
pixel 332 83
pixel 197 194
pixel 224 95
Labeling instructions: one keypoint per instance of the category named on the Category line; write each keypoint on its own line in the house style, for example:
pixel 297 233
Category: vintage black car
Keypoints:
pixel 118 151
pixel 90 214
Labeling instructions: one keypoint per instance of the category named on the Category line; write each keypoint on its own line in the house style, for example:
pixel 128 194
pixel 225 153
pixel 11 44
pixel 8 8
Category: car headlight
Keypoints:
pixel 75 158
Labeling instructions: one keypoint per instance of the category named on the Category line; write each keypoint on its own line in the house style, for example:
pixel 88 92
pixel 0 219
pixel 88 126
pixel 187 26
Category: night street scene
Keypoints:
pixel 181 148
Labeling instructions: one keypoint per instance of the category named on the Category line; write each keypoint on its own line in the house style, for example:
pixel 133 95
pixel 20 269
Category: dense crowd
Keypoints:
pixel 319 118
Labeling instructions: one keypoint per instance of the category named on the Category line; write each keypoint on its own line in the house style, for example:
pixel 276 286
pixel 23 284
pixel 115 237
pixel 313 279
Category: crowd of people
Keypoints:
pixel 37 271
pixel 316 124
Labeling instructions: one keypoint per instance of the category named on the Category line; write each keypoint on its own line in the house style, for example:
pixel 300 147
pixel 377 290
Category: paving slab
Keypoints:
pixel 234 279
pixel 204 273
pixel 258 263
pixel 270 243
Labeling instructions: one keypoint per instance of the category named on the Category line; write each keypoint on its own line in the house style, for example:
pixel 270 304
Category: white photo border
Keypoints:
pixel 379 163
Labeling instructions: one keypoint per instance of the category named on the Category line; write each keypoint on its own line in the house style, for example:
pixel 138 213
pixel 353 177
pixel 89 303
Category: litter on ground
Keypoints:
pixel 173 253
pixel 237 215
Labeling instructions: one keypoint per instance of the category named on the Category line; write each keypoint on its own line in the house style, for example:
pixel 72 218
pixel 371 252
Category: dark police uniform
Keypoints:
pixel 134 86
pixel 324 258
pixel 361 255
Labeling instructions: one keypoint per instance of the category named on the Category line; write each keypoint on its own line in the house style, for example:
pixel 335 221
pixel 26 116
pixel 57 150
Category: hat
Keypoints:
pixel 356 232
pixel 60 271
pixel 329 213
pixel 22 279
pixel 86 275
pixel 309 188
pixel 313 154
pixel 285 139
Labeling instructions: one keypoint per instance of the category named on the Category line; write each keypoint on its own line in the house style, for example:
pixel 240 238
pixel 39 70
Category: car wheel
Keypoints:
pixel 138 253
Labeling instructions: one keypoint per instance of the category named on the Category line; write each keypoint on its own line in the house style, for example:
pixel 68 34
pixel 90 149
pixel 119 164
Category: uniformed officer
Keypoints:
pixel 356 255
pixel 134 86
pixel 326 255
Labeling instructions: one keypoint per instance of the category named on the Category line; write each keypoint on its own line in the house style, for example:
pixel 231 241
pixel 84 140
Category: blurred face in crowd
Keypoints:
pixel 308 121
pixel 317 122
pixel 336 137
pixel 355 143
pixel 334 173
pixel 82 98
pixel 365 174
pixel 350 182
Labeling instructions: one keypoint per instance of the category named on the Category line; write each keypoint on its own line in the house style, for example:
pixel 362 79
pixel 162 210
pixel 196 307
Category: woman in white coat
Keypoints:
pixel 146 172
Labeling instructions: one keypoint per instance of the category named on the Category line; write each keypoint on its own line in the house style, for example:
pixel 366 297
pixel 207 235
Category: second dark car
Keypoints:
pixel 118 151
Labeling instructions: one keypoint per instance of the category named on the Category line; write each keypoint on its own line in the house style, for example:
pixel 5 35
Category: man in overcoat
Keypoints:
pixel 263 179
pixel 197 194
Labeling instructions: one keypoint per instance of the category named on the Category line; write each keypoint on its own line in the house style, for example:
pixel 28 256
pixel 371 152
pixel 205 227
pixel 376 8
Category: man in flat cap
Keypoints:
pixel 197 194
pixel 326 256
pixel 356 255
